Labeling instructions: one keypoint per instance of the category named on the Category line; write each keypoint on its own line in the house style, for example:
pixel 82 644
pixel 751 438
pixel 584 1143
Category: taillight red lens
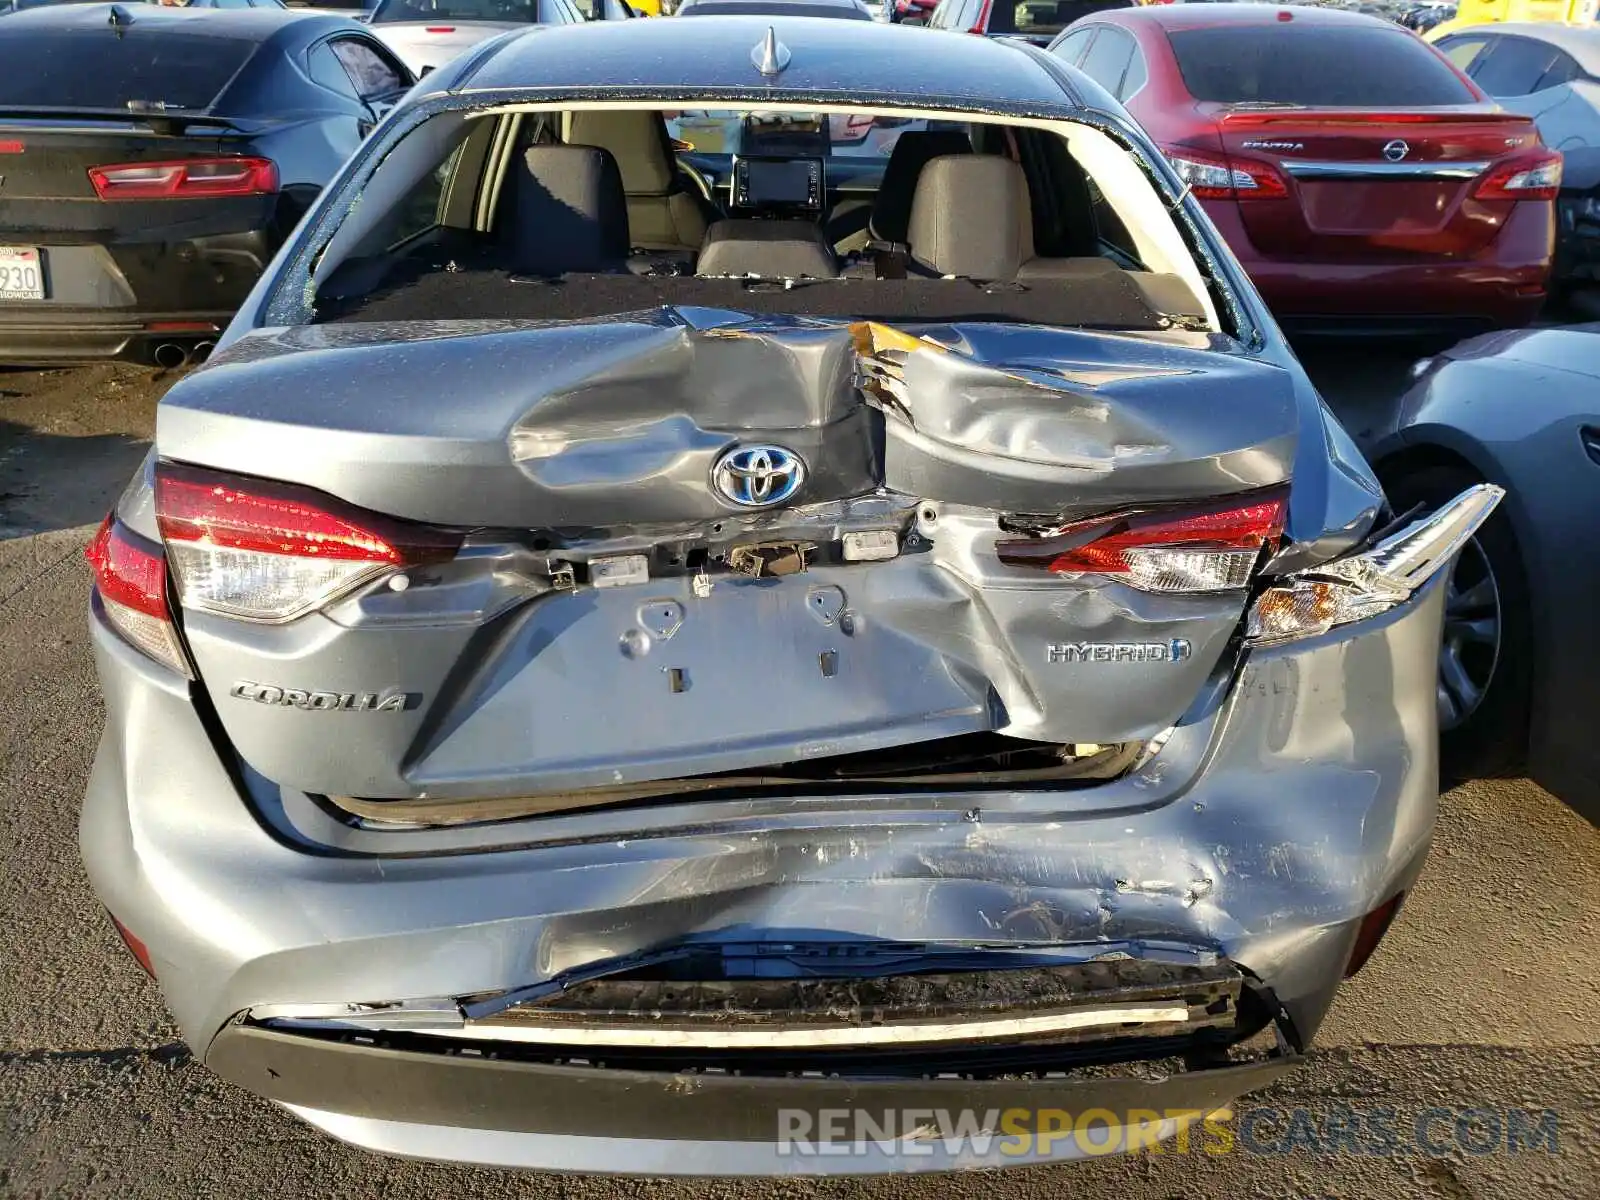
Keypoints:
pixel 131 576
pixel 1373 926
pixel 1213 177
pixel 189 178
pixel 1534 175
pixel 266 551
pixel 1207 548
pixel 138 949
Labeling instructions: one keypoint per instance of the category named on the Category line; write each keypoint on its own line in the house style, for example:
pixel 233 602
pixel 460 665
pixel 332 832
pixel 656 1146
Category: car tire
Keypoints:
pixel 1486 735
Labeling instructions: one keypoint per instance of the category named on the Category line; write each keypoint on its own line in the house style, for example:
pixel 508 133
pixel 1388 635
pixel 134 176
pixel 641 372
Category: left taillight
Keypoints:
pixel 194 178
pixel 1213 177
pixel 130 574
pixel 265 551
pixel 1204 548
pixel 1533 175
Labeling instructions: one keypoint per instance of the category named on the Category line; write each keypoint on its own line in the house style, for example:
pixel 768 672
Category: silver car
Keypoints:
pixel 603 674
pixel 426 34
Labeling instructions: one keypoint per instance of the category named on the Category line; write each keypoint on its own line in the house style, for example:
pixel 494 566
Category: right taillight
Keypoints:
pixel 1534 175
pixel 192 178
pixel 1207 548
pixel 1212 177
pixel 1358 586
pixel 265 551
pixel 130 574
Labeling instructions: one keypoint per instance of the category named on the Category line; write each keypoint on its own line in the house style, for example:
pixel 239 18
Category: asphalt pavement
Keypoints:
pixel 1464 1061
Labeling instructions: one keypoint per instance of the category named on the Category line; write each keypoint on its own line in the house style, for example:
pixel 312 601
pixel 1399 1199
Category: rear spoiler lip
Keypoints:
pixel 1229 116
pixel 171 121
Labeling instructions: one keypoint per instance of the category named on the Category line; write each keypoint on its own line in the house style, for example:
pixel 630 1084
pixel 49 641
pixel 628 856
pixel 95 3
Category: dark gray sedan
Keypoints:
pixel 1518 679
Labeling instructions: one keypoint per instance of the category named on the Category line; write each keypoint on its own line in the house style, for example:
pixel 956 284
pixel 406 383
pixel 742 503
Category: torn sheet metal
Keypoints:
pixel 606 422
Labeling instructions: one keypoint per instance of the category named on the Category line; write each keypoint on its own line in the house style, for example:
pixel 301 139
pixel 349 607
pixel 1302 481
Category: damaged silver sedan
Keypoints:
pixel 631 647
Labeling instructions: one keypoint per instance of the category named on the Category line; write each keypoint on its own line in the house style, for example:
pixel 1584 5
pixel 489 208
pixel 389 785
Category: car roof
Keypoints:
pixel 1204 16
pixel 244 24
pixel 714 53
pixel 1580 41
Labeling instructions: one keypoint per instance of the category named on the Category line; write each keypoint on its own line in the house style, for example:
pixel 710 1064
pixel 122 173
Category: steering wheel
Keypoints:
pixel 699 180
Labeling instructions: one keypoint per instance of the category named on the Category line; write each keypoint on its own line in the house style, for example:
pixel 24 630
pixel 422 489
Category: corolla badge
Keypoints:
pixel 1396 150
pixel 392 700
pixel 758 476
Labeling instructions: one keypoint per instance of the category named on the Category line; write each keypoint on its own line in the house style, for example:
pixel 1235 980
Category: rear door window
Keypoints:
pixel 1563 70
pixel 1513 66
pixel 1462 51
pixel 1138 75
pixel 1070 48
pixel 371 73
pixel 1329 66
pixel 1108 59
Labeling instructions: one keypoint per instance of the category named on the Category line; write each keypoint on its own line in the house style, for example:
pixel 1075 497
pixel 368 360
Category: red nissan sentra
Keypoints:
pixel 1363 181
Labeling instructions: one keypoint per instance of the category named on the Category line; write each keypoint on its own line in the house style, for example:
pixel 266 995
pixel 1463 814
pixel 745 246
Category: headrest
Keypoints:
pixel 971 217
pixel 571 214
pixel 768 249
pixel 891 210
pixel 637 139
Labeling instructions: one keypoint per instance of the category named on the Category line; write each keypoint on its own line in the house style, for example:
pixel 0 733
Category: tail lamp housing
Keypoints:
pixel 1204 548
pixel 1532 175
pixel 1213 177
pixel 190 178
pixel 1358 586
pixel 271 552
pixel 130 575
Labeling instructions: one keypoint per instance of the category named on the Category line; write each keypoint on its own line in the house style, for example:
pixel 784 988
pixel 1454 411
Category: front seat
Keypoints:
pixel 665 210
pixel 971 217
pixel 568 213
pixel 891 210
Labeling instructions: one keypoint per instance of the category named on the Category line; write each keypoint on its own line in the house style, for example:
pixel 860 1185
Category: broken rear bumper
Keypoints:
pixel 1298 797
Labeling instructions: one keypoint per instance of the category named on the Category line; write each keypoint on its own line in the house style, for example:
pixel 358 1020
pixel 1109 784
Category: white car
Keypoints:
pixel 426 34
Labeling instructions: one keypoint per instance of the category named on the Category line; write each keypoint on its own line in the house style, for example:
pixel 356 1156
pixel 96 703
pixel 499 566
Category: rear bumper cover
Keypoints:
pixel 1280 813
pixel 72 336
pixel 567 1118
pixel 1502 286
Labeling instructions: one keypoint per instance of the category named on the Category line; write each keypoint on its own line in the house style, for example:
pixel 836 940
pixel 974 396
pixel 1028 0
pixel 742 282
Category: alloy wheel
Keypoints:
pixel 1470 649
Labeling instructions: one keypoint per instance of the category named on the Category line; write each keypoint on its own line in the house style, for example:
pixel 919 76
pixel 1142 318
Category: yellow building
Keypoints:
pixel 1485 12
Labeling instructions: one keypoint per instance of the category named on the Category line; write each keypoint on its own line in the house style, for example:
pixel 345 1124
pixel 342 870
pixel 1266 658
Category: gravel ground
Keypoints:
pixel 1483 997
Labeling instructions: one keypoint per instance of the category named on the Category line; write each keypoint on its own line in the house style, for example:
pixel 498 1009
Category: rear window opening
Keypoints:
pixel 970 762
pixel 560 214
pixel 1372 67
pixel 106 71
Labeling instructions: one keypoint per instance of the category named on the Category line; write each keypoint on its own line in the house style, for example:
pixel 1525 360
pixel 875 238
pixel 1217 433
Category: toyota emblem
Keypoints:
pixel 758 476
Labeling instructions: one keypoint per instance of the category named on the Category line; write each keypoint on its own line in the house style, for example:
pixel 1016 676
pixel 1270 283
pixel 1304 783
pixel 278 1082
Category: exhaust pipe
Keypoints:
pixel 201 351
pixel 170 356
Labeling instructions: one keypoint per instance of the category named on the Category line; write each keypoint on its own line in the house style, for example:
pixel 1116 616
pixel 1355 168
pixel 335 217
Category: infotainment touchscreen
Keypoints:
pixel 778 183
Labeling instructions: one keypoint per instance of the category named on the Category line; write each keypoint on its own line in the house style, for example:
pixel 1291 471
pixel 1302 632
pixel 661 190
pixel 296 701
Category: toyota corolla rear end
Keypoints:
pixel 728 738
pixel 1363 183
